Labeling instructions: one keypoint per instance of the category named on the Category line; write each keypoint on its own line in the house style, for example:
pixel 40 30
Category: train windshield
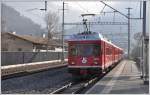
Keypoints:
pixel 85 50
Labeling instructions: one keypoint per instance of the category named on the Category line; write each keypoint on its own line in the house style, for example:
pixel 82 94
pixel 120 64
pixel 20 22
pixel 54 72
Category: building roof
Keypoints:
pixel 35 40
pixel 32 39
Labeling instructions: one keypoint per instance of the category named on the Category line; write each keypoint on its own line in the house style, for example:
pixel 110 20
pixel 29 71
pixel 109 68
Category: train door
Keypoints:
pixel 110 55
pixel 104 56
pixel 113 53
pixel 107 55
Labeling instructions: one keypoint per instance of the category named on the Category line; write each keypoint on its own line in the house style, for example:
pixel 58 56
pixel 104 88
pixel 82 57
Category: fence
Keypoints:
pixel 10 58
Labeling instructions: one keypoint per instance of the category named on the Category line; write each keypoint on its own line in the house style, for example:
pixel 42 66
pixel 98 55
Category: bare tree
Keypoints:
pixel 52 22
pixel 3 25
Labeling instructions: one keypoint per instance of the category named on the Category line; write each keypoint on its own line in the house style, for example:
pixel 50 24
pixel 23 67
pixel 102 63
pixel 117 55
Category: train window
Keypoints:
pixel 73 51
pixel 85 50
pixel 108 51
pixel 96 50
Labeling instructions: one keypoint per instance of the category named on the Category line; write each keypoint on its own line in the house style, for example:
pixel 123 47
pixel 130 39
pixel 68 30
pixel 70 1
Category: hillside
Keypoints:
pixel 12 21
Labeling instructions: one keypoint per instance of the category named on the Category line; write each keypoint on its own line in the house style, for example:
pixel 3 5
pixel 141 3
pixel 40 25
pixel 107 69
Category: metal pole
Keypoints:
pixel 142 57
pixel 145 64
pixel 142 67
pixel 129 32
pixel 89 27
pixel 142 61
pixel 45 5
pixel 143 34
pixel 47 27
pixel 62 57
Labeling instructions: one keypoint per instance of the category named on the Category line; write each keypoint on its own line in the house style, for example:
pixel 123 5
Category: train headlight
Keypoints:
pixel 72 62
pixel 96 63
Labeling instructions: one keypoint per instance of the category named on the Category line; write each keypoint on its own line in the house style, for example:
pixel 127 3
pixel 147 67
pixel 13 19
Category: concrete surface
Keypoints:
pixel 29 67
pixel 123 79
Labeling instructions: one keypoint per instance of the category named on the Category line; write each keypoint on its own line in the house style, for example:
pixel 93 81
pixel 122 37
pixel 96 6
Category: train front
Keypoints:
pixel 84 56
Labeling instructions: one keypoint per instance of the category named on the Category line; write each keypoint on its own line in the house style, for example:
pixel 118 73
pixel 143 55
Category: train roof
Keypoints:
pixel 111 43
pixel 85 36
pixel 90 36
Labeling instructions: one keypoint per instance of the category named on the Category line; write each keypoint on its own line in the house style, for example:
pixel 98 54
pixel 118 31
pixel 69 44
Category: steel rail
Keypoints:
pixel 72 84
pixel 82 85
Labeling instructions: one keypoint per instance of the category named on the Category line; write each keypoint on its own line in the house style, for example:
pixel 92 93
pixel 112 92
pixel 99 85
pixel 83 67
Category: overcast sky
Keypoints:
pixel 74 9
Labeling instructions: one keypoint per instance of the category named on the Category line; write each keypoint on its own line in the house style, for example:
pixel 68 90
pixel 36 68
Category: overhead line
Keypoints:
pixel 82 7
pixel 22 0
pixel 114 9
pixel 102 9
pixel 98 23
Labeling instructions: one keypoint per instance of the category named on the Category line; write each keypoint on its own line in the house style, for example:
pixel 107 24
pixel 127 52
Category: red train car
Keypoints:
pixel 90 53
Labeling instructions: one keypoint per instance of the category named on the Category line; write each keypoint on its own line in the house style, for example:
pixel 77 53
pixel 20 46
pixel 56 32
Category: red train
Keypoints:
pixel 90 53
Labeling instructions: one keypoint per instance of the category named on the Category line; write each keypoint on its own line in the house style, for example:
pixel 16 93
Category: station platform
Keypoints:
pixel 31 67
pixel 123 79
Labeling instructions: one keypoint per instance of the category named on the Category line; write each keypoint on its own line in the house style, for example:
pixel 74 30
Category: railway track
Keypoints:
pixel 44 83
pixel 75 87
pixel 39 83
pixel 79 87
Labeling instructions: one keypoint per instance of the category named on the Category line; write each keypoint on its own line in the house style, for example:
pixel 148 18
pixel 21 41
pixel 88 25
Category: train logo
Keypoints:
pixel 84 60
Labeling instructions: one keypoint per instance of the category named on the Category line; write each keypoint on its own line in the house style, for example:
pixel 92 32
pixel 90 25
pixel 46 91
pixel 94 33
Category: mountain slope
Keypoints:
pixel 12 21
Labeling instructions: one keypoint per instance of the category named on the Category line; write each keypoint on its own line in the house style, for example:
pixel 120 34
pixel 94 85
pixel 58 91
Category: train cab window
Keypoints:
pixel 73 51
pixel 85 50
